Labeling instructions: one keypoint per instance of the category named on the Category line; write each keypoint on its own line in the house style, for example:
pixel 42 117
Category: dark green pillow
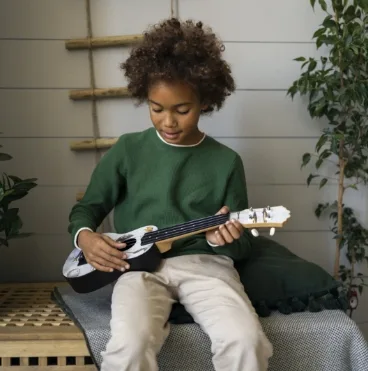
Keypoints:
pixel 276 279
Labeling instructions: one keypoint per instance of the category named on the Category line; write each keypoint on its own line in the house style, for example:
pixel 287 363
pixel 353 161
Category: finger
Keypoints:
pixel 226 234
pixel 115 262
pixel 219 239
pixel 101 267
pixel 233 230
pixel 105 263
pixel 108 249
pixel 223 210
pixel 238 225
pixel 112 243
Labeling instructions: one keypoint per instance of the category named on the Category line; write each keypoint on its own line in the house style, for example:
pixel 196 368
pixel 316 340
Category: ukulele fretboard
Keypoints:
pixel 184 228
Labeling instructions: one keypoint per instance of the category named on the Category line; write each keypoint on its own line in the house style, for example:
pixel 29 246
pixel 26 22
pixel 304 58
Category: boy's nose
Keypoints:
pixel 170 122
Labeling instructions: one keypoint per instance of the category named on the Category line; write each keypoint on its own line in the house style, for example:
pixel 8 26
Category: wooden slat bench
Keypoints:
pixel 35 334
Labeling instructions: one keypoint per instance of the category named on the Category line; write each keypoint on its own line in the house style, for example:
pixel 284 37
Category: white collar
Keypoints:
pixel 181 145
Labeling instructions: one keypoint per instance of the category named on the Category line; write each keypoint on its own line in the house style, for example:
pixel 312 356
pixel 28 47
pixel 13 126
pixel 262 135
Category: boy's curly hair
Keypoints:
pixel 180 51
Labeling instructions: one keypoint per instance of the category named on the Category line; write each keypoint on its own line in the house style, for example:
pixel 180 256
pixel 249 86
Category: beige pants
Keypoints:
pixel 209 288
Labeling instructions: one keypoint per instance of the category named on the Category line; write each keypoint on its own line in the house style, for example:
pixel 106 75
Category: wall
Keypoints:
pixel 269 130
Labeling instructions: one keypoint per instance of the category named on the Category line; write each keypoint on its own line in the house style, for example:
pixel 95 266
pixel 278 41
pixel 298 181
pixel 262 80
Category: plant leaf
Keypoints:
pixel 5 157
pixel 310 178
pixel 15 179
pixel 354 186
pixel 323 4
pixel 319 163
pixel 312 65
pixel 319 32
pixel 321 142
pixel 321 208
pixel 323 182
pixel 6 193
pixel 306 158
pixel 329 23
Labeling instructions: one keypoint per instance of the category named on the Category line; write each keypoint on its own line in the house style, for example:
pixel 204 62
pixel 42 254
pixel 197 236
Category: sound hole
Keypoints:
pixel 130 242
pixel 126 238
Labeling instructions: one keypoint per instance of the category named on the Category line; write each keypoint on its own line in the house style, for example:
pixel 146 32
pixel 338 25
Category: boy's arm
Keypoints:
pixel 104 188
pixel 236 199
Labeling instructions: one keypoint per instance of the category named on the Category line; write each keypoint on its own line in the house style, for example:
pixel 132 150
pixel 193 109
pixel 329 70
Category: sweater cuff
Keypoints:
pixel 76 236
pixel 211 244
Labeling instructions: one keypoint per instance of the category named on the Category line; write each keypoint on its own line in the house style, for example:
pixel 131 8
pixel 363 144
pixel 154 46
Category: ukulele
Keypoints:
pixel 145 245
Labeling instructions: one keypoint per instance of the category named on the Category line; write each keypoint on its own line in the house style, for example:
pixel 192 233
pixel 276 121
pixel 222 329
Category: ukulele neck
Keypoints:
pixel 186 229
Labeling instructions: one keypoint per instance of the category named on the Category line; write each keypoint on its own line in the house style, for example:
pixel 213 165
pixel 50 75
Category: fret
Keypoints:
pixel 184 228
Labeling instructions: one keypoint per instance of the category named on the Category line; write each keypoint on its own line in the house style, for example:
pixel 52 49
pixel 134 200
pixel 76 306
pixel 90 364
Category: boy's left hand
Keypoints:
pixel 226 233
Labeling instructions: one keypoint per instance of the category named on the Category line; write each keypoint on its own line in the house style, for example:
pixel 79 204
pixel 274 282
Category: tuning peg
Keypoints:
pixel 272 231
pixel 254 232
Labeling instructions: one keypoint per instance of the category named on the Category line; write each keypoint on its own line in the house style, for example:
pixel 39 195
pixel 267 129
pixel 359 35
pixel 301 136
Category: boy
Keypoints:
pixel 165 175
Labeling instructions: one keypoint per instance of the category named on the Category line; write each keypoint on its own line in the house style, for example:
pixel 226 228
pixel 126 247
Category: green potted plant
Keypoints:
pixel 12 188
pixel 336 86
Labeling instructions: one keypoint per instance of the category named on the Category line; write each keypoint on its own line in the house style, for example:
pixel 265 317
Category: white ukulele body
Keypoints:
pixel 76 267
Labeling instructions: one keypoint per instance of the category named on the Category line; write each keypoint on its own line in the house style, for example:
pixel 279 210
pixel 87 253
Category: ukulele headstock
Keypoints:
pixel 266 217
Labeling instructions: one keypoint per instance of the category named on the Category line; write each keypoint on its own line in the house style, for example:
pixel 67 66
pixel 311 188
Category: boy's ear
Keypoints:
pixel 204 107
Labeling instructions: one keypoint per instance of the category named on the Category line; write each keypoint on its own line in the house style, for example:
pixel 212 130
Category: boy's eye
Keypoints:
pixel 179 112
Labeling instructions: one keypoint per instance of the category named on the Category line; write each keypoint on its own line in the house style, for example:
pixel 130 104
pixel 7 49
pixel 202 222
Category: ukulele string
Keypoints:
pixel 185 228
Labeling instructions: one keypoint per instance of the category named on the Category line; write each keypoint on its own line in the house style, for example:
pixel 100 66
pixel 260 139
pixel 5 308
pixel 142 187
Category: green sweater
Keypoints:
pixel 149 182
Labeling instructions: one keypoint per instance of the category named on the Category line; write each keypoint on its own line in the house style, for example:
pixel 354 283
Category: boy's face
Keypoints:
pixel 174 111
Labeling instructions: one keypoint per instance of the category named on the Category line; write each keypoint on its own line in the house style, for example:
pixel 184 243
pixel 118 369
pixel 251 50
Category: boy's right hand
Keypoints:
pixel 102 252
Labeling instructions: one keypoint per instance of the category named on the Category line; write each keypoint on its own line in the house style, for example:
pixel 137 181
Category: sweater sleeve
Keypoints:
pixel 104 189
pixel 236 198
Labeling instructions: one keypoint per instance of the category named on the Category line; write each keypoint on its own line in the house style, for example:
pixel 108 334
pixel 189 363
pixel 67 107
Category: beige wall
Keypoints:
pixel 39 121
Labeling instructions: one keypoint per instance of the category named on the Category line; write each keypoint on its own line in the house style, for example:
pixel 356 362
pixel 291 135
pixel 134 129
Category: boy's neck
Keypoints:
pixel 181 145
